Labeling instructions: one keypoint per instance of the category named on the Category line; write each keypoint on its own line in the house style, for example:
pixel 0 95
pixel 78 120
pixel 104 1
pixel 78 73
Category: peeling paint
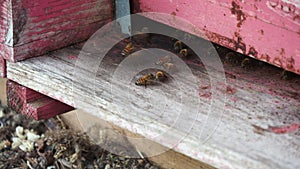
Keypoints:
pixel 255 28
pixel 290 62
pixel 240 46
pixel 265 57
pixel 252 52
pixel 236 10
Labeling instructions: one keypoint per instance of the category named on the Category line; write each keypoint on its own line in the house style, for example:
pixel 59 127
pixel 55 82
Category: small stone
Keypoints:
pixel 107 166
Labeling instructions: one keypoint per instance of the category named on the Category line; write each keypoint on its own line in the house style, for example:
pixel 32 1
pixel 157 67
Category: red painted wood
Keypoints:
pixel 5 49
pixel 42 26
pixel 33 104
pixel 2 67
pixel 265 30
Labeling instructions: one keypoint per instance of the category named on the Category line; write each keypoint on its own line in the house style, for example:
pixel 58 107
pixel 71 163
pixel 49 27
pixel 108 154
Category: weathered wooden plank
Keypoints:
pixel 32 103
pixel 33 28
pixel 253 98
pixel 265 30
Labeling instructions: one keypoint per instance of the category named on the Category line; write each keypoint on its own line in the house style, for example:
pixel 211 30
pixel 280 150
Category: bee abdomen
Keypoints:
pixel 127 50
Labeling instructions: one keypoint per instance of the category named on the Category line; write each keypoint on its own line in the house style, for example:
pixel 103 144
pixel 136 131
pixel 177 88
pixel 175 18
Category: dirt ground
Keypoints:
pixel 26 143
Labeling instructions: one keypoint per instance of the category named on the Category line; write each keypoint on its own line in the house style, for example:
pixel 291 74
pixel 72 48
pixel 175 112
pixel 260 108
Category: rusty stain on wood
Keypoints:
pixel 240 16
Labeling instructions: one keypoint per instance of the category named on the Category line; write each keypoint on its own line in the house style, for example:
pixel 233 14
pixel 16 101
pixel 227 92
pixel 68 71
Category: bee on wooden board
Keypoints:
pixel 145 80
pixel 178 45
pixel 127 50
pixel 184 52
pixel 160 76
pixel 246 63
pixel 148 79
pixel 231 58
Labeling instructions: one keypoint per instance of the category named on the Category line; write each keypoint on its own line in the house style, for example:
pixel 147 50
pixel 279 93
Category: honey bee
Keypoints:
pixel 231 58
pixel 164 60
pixel 184 52
pixel 178 45
pixel 246 63
pixel 127 50
pixel 160 76
pixel 145 80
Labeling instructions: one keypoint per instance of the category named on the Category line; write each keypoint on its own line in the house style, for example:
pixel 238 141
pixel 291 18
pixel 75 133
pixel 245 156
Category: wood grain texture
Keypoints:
pixel 5 37
pixel 33 104
pixel 3 97
pixel 255 98
pixel 266 30
pixel 37 27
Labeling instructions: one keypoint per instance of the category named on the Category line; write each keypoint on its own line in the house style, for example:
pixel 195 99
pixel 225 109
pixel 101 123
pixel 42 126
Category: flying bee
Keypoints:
pixel 178 45
pixel 160 76
pixel 184 52
pixel 145 80
pixel 169 66
pixel 164 60
pixel 127 50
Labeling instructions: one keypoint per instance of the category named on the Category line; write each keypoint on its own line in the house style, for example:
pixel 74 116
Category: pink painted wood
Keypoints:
pixel 41 26
pixel 266 30
pixel 33 104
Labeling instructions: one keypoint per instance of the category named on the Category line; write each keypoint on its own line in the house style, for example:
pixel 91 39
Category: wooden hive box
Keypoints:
pixel 261 110
pixel 32 28
pixel 266 30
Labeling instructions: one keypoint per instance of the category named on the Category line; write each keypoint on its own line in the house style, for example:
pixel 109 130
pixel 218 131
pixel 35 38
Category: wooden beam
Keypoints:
pixel 31 27
pixel 32 103
pixel 254 97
